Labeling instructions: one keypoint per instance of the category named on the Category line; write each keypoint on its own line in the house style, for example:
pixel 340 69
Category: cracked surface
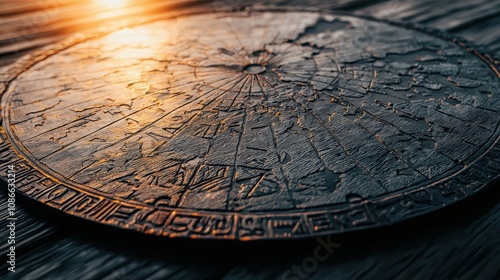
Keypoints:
pixel 258 113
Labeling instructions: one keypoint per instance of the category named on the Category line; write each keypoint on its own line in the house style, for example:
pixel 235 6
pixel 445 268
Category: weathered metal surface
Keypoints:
pixel 253 125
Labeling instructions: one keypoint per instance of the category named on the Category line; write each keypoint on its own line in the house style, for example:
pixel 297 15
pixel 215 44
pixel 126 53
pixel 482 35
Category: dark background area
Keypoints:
pixel 459 242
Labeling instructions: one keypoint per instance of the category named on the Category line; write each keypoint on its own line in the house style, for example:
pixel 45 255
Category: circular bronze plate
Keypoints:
pixel 253 125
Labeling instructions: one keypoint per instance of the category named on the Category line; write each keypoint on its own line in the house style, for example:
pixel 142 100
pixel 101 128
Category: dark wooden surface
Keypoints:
pixel 461 242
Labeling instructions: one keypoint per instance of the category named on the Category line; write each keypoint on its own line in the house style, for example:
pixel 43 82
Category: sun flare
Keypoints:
pixel 111 3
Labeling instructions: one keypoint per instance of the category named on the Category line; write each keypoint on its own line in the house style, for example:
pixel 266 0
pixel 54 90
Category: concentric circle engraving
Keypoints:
pixel 254 125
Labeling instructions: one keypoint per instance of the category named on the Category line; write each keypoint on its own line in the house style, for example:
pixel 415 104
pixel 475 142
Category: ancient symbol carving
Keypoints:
pixel 254 125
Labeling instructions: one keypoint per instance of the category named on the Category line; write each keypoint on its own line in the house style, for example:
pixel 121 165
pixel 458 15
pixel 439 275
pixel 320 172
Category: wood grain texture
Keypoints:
pixel 447 247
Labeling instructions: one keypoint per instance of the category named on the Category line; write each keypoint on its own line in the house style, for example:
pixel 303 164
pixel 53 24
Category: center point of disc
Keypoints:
pixel 254 69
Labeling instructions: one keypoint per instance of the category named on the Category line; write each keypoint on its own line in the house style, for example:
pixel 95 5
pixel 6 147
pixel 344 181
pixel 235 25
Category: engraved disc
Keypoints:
pixel 252 125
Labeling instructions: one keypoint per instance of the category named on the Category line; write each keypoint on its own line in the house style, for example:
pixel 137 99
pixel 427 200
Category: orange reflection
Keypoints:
pixel 138 48
pixel 137 43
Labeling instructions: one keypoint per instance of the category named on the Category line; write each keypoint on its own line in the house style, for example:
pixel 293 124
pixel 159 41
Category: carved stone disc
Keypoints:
pixel 252 125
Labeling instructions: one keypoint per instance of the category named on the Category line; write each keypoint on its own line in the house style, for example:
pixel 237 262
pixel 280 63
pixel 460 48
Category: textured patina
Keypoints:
pixel 254 125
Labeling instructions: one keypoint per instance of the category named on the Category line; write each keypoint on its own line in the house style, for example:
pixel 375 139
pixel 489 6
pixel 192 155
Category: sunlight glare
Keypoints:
pixel 111 3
